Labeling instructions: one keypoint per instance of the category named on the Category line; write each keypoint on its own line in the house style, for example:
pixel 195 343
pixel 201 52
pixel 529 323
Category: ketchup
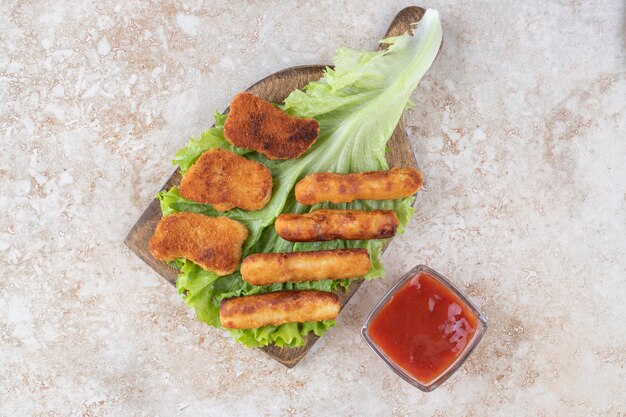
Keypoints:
pixel 423 327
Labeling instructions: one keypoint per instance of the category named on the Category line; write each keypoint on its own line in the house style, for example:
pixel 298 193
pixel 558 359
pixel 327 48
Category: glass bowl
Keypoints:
pixel 481 328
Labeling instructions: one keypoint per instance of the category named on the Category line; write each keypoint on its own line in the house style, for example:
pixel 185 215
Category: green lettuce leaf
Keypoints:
pixel 358 104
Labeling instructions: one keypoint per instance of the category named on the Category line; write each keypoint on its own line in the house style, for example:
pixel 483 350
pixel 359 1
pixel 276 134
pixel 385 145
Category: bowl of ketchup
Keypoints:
pixel 424 328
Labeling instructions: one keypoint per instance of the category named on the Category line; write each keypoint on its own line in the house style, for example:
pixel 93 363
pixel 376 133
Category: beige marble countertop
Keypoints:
pixel 520 130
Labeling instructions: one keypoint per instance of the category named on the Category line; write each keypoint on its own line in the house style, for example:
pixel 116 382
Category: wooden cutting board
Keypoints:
pixel 276 88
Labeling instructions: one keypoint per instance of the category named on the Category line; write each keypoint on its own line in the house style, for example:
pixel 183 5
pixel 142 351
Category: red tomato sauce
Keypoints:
pixel 423 327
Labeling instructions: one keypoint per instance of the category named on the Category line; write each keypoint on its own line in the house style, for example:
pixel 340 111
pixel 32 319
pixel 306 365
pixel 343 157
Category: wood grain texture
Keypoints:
pixel 276 88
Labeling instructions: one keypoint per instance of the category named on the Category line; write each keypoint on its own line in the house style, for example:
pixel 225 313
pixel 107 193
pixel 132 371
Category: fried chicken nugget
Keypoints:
pixel 321 225
pixel 214 243
pixel 273 268
pixel 344 188
pixel 226 180
pixel 279 307
pixel 254 123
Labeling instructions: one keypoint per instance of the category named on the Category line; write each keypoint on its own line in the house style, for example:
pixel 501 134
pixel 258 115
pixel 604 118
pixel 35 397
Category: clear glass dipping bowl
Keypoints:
pixel 481 328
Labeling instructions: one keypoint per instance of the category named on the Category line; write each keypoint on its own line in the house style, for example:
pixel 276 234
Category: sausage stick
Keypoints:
pixel 273 268
pixel 279 307
pixel 322 225
pixel 343 188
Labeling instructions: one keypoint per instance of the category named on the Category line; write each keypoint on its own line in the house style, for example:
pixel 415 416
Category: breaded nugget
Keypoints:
pixel 321 225
pixel 214 243
pixel 276 308
pixel 254 123
pixel 273 268
pixel 344 188
pixel 226 180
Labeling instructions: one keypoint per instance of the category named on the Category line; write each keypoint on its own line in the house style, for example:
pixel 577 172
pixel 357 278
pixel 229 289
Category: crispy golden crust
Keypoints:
pixel 253 123
pixel 343 188
pixel 276 308
pixel 321 225
pixel 272 268
pixel 214 243
pixel 226 180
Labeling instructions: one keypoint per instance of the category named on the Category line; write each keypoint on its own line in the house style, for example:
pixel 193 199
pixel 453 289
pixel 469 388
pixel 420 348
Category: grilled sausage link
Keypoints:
pixel 322 225
pixel 344 188
pixel 279 307
pixel 273 268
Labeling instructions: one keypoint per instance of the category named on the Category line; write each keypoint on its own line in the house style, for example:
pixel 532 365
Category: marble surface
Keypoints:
pixel 519 129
